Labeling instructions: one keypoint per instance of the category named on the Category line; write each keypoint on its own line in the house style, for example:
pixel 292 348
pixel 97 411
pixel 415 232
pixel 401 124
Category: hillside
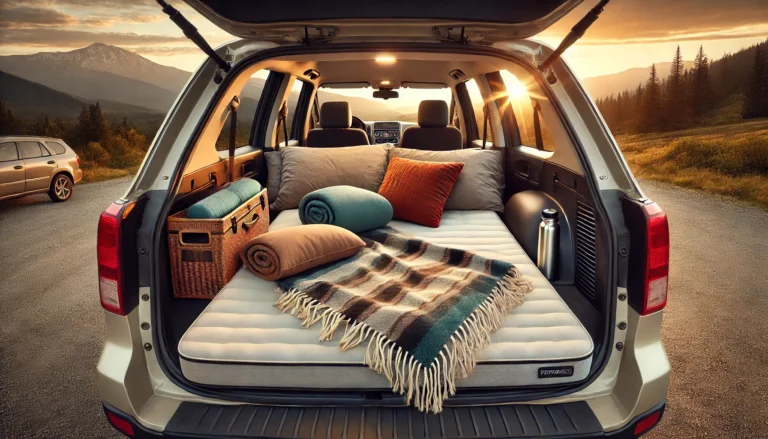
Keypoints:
pixel 105 58
pixel 729 160
pixel 606 85
pixel 25 98
pixel 29 100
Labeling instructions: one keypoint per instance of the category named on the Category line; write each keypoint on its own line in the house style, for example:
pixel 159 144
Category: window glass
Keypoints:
pixel 477 106
pixel 56 147
pixel 249 100
pixel 44 151
pixel 8 152
pixel 293 102
pixel 30 150
pixel 402 109
pixel 523 98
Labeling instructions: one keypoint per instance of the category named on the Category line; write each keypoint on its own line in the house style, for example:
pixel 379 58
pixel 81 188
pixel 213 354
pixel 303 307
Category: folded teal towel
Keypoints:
pixel 354 209
pixel 215 206
pixel 245 188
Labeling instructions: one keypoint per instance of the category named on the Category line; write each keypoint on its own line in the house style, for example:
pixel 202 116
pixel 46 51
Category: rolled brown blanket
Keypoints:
pixel 283 253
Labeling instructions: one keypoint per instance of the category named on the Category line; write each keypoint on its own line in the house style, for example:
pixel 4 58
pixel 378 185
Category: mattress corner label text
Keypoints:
pixel 555 372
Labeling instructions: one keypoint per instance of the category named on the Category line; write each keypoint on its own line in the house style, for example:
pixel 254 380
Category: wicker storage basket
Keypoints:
pixel 205 253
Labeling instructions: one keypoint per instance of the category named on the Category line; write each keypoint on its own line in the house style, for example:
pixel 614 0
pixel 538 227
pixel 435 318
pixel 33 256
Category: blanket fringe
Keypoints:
pixel 425 387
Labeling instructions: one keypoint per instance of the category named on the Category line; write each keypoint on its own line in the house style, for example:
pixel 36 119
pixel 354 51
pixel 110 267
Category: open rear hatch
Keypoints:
pixel 485 21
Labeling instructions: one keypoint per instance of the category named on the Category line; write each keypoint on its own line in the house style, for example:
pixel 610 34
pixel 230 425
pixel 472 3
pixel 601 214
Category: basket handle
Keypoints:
pixel 248 224
pixel 194 237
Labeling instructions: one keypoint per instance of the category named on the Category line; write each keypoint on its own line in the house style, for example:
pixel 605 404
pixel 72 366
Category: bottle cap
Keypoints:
pixel 549 214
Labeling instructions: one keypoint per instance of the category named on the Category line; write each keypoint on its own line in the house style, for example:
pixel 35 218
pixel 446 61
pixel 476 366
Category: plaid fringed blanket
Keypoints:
pixel 425 310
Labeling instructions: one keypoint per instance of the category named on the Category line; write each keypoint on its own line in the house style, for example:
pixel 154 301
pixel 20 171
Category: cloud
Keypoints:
pixel 24 16
pixel 652 21
pixel 166 51
pixel 109 20
pixel 67 38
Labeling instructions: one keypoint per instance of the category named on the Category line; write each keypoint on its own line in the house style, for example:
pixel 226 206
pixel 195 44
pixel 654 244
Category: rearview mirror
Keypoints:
pixel 386 93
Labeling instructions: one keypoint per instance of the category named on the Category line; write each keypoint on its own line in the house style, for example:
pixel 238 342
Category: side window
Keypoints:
pixel 44 150
pixel 477 105
pixel 249 100
pixel 293 101
pixel 30 150
pixel 453 114
pixel 8 152
pixel 56 147
pixel 524 101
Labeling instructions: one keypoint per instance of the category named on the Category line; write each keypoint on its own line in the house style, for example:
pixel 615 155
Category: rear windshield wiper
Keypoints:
pixel 574 35
pixel 190 31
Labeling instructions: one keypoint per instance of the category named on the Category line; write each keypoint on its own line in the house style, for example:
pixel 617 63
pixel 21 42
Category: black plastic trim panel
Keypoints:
pixel 569 420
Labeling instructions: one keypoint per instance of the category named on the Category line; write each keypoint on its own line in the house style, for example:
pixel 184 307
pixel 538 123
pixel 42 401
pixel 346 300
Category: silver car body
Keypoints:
pixel 634 380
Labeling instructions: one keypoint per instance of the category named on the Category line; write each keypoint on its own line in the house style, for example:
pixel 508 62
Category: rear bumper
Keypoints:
pixel 78 175
pixel 562 421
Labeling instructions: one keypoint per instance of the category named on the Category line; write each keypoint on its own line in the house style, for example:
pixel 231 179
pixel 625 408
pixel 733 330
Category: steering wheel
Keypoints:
pixel 358 123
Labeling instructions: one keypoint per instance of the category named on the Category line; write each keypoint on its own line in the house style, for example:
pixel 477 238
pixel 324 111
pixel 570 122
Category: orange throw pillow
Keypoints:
pixel 418 190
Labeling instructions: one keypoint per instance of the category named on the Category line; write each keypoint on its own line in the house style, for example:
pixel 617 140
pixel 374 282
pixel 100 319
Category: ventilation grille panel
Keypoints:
pixel 586 253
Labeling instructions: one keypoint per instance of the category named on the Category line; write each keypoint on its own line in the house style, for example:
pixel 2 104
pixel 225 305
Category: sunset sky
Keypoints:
pixel 630 33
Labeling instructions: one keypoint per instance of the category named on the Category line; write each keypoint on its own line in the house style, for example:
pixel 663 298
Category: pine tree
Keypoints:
pixel 674 102
pixel 701 94
pixel 651 117
pixel 756 101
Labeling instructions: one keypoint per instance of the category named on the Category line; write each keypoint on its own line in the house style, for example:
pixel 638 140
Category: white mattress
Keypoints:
pixel 241 339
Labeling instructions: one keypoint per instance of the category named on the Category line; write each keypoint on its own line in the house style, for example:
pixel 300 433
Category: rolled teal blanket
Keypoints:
pixel 245 188
pixel 354 209
pixel 214 206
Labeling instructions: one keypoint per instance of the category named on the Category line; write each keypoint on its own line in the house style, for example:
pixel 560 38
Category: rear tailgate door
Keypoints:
pixel 485 21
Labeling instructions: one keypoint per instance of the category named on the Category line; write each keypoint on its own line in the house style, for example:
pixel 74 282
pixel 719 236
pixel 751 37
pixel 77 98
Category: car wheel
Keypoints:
pixel 61 188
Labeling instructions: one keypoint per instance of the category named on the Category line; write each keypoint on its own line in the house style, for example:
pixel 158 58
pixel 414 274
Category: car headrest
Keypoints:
pixel 335 115
pixel 433 114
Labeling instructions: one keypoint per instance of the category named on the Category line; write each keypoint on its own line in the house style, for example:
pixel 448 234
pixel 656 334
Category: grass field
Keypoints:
pixel 729 160
pixel 94 173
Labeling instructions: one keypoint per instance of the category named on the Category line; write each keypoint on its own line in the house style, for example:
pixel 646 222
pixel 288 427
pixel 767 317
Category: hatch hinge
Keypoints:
pixel 576 32
pixel 318 34
pixel 456 35
pixel 190 31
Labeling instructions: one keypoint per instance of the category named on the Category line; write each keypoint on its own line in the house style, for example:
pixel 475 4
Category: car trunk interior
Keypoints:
pixel 538 174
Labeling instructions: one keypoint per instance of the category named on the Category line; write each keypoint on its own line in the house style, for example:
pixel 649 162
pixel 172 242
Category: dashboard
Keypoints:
pixel 386 132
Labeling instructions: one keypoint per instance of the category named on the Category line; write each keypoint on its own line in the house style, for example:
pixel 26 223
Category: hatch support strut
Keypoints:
pixel 190 31
pixel 574 35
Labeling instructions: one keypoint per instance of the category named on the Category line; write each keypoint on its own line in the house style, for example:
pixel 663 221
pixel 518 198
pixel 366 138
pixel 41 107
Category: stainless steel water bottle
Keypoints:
pixel 549 231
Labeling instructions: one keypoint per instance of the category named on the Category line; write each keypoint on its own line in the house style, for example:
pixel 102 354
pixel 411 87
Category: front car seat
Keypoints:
pixel 335 120
pixel 433 132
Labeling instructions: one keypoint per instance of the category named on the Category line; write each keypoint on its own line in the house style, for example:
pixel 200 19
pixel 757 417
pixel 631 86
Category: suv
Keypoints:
pixel 584 357
pixel 32 165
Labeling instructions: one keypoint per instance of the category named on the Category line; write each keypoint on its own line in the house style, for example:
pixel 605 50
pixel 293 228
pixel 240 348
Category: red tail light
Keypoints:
pixel 121 424
pixel 657 263
pixel 108 257
pixel 647 423
pixel 78 159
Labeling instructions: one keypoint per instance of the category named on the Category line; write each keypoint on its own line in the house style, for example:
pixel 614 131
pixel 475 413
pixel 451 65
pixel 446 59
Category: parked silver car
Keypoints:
pixel 32 165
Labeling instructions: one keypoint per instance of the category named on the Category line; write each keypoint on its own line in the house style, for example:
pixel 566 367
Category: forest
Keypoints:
pixel 107 148
pixel 728 90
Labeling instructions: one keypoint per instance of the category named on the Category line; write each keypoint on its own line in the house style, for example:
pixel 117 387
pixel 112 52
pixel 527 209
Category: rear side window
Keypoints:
pixel 293 101
pixel 249 99
pixel 56 147
pixel 524 101
pixel 478 106
pixel 8 152
pixel 31 150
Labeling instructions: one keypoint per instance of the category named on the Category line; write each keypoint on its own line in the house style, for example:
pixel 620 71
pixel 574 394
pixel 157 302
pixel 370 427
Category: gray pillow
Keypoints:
pixel 481 183
pixel 274 173
pixel 309 169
